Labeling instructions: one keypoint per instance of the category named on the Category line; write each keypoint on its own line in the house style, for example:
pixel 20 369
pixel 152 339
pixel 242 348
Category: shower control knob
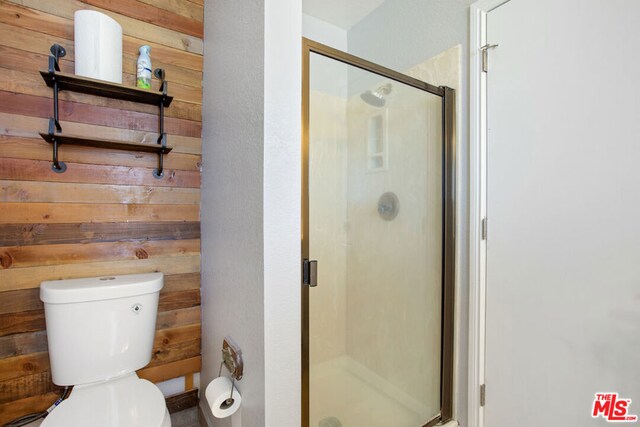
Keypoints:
pixel 388 206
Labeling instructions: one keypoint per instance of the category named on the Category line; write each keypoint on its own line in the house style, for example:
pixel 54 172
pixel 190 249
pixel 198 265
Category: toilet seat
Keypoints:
pixel 124 402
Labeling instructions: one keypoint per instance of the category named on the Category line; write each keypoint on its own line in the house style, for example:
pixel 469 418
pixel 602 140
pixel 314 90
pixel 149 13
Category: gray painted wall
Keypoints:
pixel 232 196
pixel 251 203
pixel 400 34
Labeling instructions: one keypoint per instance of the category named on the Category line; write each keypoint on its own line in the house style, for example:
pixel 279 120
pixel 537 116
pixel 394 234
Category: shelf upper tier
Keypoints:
pixel 104 88
pixel 105 143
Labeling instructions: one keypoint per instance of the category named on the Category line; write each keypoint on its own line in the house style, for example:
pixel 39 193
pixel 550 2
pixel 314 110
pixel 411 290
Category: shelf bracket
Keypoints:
pixel 57 52
pixel 162 141
pixel 162 138
pixel 57 166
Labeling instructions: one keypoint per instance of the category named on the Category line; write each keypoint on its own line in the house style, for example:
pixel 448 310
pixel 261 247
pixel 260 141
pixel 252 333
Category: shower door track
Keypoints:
pixel 448 196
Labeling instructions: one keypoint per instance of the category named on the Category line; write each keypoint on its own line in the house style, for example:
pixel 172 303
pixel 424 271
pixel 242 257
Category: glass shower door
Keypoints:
pixel 375 223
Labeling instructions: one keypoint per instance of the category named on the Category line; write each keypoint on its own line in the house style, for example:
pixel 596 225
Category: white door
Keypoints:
pixel 563 209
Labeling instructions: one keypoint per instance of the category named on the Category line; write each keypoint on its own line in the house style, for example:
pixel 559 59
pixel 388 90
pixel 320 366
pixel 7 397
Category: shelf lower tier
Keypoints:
pixel 68 139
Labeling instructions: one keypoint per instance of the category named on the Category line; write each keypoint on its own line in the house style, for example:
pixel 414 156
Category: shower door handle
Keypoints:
pixel 310 272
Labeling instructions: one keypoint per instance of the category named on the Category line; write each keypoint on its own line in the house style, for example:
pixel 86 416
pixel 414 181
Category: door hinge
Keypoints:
pixel 485 56
pixel 310 272
pixel 484 228
pixel 482 395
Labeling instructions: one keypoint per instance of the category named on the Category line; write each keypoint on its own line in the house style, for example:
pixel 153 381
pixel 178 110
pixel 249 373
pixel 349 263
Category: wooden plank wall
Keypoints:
pixel 107 214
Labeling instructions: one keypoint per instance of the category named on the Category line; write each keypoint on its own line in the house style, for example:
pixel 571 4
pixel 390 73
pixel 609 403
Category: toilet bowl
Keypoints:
pixel 100 331
pixel 125 402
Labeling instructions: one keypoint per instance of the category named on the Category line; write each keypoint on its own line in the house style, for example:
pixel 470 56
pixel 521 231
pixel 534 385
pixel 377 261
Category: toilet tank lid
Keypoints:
pixel 99 288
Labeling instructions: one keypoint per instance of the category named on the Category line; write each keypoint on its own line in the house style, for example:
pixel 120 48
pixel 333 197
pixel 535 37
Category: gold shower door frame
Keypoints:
pixel 448 194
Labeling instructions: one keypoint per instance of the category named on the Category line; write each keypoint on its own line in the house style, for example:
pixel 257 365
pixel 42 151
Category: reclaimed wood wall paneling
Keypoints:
pixel 107 214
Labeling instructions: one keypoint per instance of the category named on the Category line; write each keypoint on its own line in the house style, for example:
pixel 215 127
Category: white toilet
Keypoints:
pixel 100 331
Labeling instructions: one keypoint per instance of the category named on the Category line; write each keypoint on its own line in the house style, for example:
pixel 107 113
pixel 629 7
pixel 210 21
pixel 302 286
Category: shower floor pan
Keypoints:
pixel 343 389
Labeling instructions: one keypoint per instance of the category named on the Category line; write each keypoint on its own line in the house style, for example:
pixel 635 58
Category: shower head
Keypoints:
pixel 376 98
pixel 373 98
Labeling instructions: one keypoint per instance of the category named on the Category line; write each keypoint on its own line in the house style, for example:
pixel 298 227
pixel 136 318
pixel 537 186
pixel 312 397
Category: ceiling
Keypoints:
pixel 342 13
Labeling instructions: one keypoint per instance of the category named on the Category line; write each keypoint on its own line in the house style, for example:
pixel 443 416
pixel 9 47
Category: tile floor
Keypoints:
pixel 187 418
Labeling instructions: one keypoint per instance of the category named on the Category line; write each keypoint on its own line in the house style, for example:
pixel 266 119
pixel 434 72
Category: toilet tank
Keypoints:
pixel 101 327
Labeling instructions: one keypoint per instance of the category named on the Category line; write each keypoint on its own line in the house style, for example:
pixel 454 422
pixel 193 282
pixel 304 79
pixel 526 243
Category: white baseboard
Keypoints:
pixel 205 412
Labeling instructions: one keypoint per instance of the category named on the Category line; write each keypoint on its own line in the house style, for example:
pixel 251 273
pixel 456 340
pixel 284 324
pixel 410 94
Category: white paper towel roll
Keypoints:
pixel 98 46
pixel 217 392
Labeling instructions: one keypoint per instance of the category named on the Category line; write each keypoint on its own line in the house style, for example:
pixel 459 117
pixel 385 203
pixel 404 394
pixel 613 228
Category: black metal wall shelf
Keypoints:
pixel 75 83
pixel 63 81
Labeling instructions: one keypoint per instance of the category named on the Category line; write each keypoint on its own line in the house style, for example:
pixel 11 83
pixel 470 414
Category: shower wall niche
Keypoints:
pixel 377 155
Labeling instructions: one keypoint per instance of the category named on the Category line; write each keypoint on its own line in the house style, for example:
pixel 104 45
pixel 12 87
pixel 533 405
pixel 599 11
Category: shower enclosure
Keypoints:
pixel 377 244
